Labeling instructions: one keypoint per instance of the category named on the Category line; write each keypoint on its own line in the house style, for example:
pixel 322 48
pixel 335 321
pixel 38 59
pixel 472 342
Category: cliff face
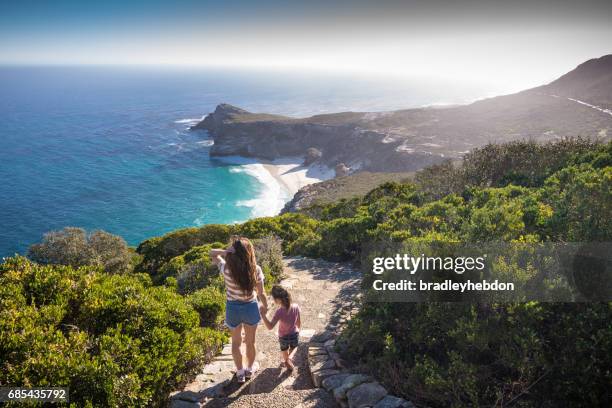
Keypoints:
pixel 238 132
pixel 407 140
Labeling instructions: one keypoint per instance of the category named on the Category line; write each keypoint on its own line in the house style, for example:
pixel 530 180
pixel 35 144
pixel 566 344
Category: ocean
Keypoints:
pixel 109 147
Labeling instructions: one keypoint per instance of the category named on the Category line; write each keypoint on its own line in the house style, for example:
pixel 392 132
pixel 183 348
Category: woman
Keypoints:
pixel 244 283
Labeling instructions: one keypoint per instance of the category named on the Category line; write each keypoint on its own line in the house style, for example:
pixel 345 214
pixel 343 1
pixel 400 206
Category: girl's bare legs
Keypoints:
pixel 286 357
pixel 236 343
pixel 249 341
pixel 292 352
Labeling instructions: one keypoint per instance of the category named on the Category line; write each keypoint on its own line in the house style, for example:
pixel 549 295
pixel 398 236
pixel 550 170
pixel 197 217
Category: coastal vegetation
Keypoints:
pixel 113 339
pixel 75 247
pixel 130 334
pixel 82 316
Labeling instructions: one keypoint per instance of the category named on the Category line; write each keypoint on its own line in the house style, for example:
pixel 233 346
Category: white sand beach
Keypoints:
pixel 280 180
pixel 292 175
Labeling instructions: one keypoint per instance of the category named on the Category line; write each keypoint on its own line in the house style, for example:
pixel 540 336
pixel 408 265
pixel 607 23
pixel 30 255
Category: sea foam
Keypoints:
pixel 272 196
pixel 189 120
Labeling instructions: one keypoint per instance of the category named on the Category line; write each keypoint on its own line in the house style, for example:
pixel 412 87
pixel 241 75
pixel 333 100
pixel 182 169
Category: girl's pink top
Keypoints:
pixel 287 320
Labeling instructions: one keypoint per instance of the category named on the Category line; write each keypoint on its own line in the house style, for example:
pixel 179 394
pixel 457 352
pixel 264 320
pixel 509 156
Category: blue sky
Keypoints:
pixel 527 42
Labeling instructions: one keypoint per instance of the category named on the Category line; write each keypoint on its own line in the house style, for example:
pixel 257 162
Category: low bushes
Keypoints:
pixel 115 340
pixel 192 270
pixel 522 163
pixel 156 251
pixel 76 247
pixel 461 355
pixel 210 304
pixel 269 254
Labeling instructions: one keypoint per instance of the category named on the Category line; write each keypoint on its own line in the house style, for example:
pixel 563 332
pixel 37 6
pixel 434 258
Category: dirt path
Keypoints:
pixel 325 292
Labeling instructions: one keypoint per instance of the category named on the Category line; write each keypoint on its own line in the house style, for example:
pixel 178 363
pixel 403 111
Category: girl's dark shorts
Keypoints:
pixel 289 341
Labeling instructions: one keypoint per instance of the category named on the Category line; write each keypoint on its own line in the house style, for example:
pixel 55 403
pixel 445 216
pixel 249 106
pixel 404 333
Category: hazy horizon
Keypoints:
pixel 505 46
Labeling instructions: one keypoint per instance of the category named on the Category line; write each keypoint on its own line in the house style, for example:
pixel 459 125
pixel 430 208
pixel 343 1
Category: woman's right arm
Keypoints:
pixel 263 311
pixel 215 254
pixel 261 293
pixel 269 324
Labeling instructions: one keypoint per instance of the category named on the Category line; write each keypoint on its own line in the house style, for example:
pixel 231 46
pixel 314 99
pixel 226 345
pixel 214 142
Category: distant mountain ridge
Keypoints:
pixel 407 140
pixel 590 82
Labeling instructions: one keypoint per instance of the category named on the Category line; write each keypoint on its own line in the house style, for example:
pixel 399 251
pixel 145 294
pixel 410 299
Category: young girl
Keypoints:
pixel 288 318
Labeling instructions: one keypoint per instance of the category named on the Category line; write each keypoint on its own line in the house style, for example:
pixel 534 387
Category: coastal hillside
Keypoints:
pixel 407 140
pixel 340 188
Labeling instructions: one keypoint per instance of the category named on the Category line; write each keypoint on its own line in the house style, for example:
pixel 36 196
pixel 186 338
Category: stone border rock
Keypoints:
pixel 350 390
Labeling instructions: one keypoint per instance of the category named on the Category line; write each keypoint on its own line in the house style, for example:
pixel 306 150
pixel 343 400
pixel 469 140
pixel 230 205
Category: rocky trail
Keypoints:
pixel 326 293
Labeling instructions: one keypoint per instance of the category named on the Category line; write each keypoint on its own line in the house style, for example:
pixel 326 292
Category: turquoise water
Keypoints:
pixel 108 148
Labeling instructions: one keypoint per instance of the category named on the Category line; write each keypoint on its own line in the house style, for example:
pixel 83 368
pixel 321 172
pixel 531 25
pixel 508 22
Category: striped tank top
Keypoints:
pixel 232 289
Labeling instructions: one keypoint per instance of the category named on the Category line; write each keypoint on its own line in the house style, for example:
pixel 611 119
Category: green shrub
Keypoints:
pixel 269 254
pixel 524 163
pixel 580 200
pixel 192 270
pixel 210 304
pixel 460 355
pixel 157 251
pixel 115 340
pixel 287 227
pixel 75 247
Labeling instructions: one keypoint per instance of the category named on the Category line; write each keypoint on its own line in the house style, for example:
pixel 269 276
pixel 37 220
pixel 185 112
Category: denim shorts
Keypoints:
pixel 289 341
pixel 237 313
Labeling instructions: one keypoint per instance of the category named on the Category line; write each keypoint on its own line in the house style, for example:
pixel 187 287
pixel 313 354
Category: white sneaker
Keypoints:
pixel 240 376
pixel 251 370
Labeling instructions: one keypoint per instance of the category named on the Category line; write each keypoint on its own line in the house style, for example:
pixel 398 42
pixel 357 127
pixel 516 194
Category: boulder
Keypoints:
pixel 312 155
pixel 349 382
pixel 330 343
pixel 321 358
pixel 365 395
pixel 316 351
pixel 342 170
pixel 323 365
pixel 319 376
pixel 334 381
pixel 393 402
pixel 322 337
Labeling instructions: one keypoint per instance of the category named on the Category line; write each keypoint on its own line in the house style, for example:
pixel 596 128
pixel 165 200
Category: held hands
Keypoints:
pixel 263 309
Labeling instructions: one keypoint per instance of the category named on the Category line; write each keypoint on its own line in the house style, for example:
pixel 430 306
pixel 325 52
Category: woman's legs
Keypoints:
pixel 236 343
pixel 249 341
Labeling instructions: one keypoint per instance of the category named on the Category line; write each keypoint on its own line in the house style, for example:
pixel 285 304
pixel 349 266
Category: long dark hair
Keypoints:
pixel 242 263
pixel 280 293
